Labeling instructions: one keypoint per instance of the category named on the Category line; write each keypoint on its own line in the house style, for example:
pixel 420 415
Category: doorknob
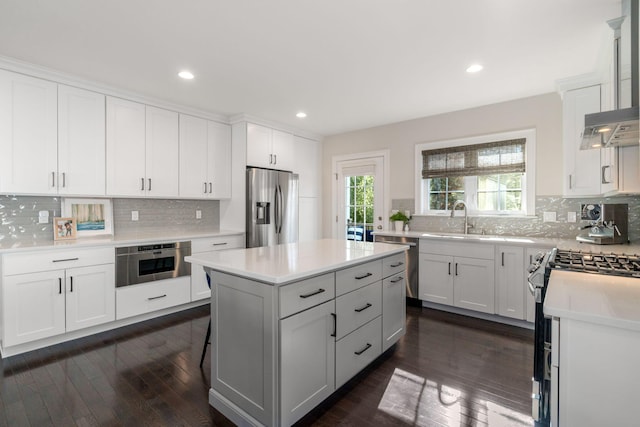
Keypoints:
pixel 379 227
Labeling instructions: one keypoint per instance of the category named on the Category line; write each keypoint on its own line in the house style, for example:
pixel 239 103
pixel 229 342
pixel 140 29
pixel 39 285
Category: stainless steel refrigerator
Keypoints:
pixel 272 207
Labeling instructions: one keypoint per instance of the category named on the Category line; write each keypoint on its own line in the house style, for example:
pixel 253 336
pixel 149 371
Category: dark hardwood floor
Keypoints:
pixel 448 370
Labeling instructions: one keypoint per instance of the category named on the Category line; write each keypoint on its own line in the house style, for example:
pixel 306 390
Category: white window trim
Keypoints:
pixel 529 182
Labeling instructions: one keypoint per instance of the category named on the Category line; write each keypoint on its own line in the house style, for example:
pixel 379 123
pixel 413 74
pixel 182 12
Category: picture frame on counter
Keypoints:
pixel 64 228
pixel 93 217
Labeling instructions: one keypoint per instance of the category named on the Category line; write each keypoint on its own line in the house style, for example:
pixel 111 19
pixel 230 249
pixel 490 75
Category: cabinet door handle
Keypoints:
pixel 335 324
pixel 361 309
pixel 270 159
pixel 275 159
pixel 219 244
pixel 60 285
pixel 397 265
pixel 366 347
pixel 71 282
pixel 141 184
pixel 210 188
pixel 64 179
pixel 456 268
pixel 397 279
pixel 364 276
pixel 205 188
pixel 604 180
pixel 149 184
pixel 158 297
pixel 530 259
pixel 319 291
pixel 449 269
pixel 66 259
pixel 53 179
pixel 570 183
pixel 503 259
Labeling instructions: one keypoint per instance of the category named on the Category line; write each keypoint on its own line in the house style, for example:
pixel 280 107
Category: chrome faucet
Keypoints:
pixel 467 226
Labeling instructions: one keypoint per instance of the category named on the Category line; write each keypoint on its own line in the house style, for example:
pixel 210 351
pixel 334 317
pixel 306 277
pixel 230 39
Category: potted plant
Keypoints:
pixel 399 220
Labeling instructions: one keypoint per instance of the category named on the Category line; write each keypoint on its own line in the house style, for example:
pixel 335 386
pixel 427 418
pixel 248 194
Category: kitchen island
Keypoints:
pixel 292 323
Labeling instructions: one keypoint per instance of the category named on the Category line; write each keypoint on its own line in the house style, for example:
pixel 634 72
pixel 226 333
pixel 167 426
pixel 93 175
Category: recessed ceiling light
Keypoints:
pixel 474 68
pixel 187 75
pixel 301 115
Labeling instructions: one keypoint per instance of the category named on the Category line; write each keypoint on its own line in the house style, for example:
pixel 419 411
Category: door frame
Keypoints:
pixel 386 199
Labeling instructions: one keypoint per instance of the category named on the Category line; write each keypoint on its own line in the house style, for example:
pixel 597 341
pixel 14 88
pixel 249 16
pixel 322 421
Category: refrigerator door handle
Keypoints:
pixel 276 210
pixel 279 205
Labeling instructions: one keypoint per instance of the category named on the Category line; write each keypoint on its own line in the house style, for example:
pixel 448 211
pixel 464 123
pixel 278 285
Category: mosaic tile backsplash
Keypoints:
pixel 19 216
pixel 525 226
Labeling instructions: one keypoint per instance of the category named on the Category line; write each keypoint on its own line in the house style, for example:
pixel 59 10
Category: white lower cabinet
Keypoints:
pixel 510 286
pixel 355 351
pixel 145 298
pixel 394 309
pixel 199 287
pixel 46 303
pixel 307 357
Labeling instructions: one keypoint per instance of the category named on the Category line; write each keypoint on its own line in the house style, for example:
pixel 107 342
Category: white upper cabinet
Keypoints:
pixel 586 172
pixel 161 153
pixel 308 160
pixel 81 142
pixel 28 135
pixel 142 150
pixel 125 148
pixel 269 148
pixel 205 158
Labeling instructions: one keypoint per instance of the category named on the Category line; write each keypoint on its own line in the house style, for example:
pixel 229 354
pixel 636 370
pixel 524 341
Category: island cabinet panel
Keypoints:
pixel 394 294
pixel 357 350
pixel 307 360
pixel 243 332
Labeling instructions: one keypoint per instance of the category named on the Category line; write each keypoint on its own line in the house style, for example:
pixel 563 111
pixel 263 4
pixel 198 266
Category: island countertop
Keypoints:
pixel 286 263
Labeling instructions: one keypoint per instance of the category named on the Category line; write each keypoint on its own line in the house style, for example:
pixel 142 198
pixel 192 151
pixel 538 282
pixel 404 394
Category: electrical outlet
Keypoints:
pixel 572 217
pixel 198 214
pixel 43 217
pixel 549 217
pixel 134 215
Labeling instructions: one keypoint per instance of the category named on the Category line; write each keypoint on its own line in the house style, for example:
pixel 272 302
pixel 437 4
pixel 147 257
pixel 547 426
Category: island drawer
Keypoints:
pixel 352 278
pixel 357 308
pixel 148 297
pixel 357 350
pixel 394 264
pixel 32 262
pixel 207 244
pixel 305 294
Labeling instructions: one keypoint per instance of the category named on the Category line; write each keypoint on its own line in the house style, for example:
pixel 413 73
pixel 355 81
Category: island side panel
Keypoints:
pixel 243 347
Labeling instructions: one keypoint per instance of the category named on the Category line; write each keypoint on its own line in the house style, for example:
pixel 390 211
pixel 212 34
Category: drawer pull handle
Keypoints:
pixel 449 269
pixel 335 324
pixel 398 264
pixel 366 347
pixel 359 310
pixel 59 285
pixel 158 297
pixel 220 244
pixel 397 279
pixel 363 276
pixel 319 291
pixel 66 259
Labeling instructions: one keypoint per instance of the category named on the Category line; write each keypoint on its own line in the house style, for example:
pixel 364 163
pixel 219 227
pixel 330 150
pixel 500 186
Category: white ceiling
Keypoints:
pixel 349 64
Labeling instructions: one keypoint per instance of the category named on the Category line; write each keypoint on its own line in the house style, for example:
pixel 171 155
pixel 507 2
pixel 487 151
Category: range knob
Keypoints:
pixel 539 256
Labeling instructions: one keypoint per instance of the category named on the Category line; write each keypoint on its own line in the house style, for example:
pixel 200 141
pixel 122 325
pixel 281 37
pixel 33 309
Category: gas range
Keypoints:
pixel 599 263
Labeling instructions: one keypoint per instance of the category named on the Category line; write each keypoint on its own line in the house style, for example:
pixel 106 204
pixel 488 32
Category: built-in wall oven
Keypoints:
pixel 146 263
pixel 545 387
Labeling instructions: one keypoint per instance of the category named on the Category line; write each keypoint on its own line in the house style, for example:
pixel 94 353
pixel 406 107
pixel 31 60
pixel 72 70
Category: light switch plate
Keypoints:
pixel 43 217
pixel 198 214
pixel 549 217
pixel 134 215
pixel 572 217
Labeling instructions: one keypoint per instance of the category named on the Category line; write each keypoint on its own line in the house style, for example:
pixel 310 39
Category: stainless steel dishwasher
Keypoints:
pixel 411 262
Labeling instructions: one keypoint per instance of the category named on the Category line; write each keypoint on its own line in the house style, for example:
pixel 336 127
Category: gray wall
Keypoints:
pixel 19 217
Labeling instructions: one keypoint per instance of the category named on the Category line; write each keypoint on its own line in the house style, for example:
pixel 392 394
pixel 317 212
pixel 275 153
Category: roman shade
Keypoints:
pixel 473 160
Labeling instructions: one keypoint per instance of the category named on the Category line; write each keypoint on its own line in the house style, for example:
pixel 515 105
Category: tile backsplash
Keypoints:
pixel 19 216
pixel 525 226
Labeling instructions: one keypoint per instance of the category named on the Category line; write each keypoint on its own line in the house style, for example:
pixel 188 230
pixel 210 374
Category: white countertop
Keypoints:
pixel 546 242
pixel 596 298
pixel 119 240
pixel 294 261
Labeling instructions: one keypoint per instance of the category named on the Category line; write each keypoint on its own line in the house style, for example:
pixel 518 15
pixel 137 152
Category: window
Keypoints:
pixel 359 192
pixel 492 174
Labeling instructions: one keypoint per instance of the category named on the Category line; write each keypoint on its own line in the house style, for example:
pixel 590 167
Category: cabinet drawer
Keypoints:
pixel 357 350
pixel 306 293
pixel 470 250
pixel 54 260
pixel 352 278
pixel 208 244
pixel 145 298
pixel 357 308
pixel 394 264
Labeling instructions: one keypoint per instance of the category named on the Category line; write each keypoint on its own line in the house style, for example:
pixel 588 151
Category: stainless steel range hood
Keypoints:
pixel 620 127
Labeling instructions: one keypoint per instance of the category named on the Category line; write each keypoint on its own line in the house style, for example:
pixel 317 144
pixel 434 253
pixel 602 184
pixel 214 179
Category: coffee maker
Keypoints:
pixel 609 223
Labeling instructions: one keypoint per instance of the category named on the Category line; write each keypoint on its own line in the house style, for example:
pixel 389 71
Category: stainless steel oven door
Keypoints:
pixel 142 264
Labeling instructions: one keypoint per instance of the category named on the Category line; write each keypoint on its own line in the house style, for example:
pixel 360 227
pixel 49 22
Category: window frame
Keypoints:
pixel 528 183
